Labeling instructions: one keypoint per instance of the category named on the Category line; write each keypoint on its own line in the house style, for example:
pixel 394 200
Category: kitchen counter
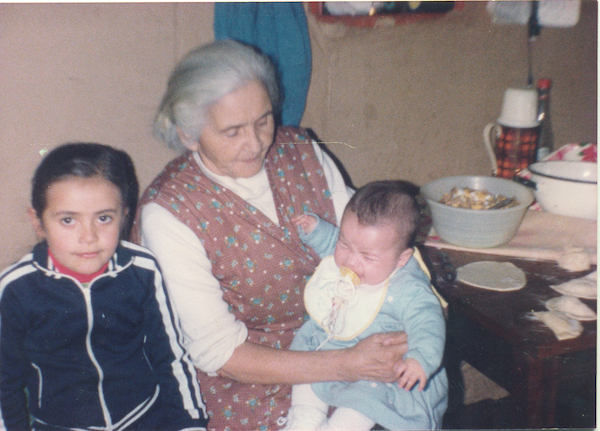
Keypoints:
pixel 541 235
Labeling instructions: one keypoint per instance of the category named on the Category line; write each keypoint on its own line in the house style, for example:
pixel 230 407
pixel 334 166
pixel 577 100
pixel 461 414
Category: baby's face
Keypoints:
pixel 371 252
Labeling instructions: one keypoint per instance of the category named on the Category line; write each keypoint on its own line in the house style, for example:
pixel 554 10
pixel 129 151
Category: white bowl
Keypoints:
pixel 476 228
pixel 566 187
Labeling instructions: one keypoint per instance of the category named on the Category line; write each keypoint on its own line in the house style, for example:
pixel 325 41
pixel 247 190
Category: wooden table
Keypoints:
pixel 493 332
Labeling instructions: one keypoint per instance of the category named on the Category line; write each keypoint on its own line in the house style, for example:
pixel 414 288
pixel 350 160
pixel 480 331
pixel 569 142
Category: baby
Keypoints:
pixel 372 283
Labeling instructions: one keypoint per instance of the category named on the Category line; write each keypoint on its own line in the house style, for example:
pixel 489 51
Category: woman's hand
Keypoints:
pixel 376 358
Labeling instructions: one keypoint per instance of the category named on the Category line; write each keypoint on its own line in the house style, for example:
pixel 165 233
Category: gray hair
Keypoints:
pixel 202 78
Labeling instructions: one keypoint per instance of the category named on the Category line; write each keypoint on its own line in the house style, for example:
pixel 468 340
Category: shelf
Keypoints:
pixel 396 13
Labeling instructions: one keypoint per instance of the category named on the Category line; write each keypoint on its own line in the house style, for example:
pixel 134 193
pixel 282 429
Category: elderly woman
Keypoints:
pixel 219 220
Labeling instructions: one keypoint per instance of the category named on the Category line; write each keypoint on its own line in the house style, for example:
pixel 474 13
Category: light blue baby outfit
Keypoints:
pixel 409 305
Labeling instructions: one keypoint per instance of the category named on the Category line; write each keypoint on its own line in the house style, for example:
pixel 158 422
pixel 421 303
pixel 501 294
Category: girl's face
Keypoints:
pixel 371 252
pixel 239 130
pixel 82 222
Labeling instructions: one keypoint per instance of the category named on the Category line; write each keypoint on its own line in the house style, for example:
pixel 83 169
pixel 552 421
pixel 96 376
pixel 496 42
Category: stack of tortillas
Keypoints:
pixel 567 310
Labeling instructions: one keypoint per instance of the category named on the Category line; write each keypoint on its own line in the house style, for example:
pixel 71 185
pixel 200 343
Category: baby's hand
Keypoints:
pixel 410 372
pixel 306 222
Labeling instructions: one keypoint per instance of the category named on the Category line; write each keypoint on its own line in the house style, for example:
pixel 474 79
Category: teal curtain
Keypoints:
pixel 279 30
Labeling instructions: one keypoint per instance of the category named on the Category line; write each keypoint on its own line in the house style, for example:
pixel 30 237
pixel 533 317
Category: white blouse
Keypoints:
pixel 211 332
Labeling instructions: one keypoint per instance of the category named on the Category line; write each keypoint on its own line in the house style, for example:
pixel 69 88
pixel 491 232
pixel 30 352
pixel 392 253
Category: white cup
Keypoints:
pixel 520 108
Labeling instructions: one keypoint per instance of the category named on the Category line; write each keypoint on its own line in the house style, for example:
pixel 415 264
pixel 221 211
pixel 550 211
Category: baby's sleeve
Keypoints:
pixel 424 324
pixel 323 237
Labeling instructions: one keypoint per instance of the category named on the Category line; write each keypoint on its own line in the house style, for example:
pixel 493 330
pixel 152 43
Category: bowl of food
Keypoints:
pixel 476 211
pixel 566 187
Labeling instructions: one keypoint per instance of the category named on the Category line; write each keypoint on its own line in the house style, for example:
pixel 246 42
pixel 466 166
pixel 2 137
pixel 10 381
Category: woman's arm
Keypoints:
pixel 371 359
pixel 211 332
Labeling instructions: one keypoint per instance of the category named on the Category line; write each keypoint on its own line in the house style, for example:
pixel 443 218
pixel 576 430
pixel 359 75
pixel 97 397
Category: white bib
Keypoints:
pixel 342 309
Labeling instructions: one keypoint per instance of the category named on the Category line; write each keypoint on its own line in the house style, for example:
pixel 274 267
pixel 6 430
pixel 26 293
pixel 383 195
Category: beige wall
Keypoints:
pixel 408 101
pixel 85 72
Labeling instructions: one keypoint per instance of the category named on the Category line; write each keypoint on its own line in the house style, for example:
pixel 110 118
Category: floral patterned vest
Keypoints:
pixel 262 268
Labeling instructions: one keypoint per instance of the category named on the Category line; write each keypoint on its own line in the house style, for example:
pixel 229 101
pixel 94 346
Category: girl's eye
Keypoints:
pixel 67 221
pixel 105 218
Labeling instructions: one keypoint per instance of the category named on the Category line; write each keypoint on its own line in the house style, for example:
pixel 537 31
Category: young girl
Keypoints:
pixel 88 338
pixel 372 283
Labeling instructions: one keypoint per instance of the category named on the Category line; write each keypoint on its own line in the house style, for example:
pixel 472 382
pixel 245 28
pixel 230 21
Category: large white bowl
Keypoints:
pixel 566 188
pixel 476 228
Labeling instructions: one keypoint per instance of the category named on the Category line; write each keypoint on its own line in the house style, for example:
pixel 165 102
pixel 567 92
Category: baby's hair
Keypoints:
pixel 391 201
pixel 87 160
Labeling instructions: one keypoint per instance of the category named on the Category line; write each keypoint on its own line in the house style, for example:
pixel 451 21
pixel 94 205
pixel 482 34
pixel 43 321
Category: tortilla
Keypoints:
pixel 584 287
pixel 499 276
pixel 562 325
pixel 572 307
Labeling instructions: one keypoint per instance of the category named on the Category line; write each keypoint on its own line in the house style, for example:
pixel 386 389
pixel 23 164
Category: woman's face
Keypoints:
pixel 238 132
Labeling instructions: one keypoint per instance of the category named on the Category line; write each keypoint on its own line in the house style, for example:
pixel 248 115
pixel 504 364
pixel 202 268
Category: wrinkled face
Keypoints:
pixel 82 222
pixel 371 252
pixel 238 132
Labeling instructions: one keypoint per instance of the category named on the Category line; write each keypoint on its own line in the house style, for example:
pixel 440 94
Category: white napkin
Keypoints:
pixel 562 325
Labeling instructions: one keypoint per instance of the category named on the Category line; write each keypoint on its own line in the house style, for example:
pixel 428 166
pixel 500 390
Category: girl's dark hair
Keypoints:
pixel 391 201
pixel 86 160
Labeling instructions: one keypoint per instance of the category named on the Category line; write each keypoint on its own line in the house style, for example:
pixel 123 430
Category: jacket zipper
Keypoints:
pixel 39 371
pixel 88 343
